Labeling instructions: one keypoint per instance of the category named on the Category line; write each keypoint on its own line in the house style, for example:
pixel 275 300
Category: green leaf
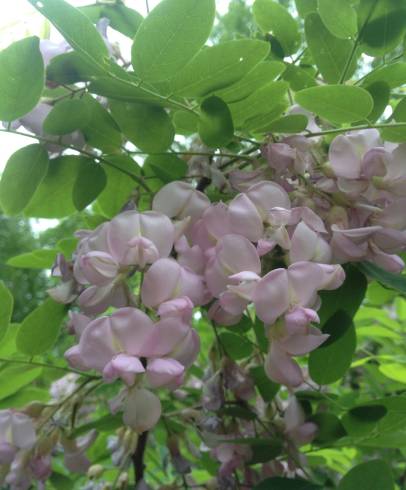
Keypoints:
pixel 14 377
pixel 279 483
pixel 61 482
pixel 264 451
pixel 122 19
pixel 215 125
pixel 337 103
pixel 397 135
pixel 23 397
pixel 363 420
pixel 53 197
pixel 305 7
pixel 299 77
pixel 101 130
pixel 260 75
pixel 119 185
pixel 274 18
pixel 217 67
pixel 394 75
pixel 22 78
pixel 372 475
pixel 40 329
pixel 339 17
pixel 37 259
pixel 170 36
pixel 380 92
pixel 167 167
pixel 6 309
pixel 90 181
pixel 68 68
pixel 329 52
pixel 76 28
pixel 294 123
pixel 236 346
pixel 24 172
pixel 329 362
pixel 388 279
pixel 371 413
pixel 384 24
pixel 329 428
pixel 66 116
pixel 348 297
pixel 262 101
pixel 394 370
pixel 267 388
pixel 147 126
pixel 106 423
pixel 185 122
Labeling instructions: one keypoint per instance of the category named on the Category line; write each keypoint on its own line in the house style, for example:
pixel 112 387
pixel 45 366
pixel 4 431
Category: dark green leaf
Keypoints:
pixel 339 17
pixel 170 36
pixel 37 259
pixel 217 67
pixel 371 413
pixel 90 182
pixel 279 483
pixel 237 412
pixel 66 116
pixel 380 92
pixel 167 167
pixel 147 126
pixel 61 482
pixel 6 309
pixel 294 123
pixel 264 451
pixel 215 125
pixel 329 362
pixel 71 68
pixel 372 475
pixel 394 75
pixel 40 329
pixel 76 28
pixel 106 423
pixel 397 135
pixel 236 346
pixel 329 427
pixel 22 78
pixel 24 172
pixel 274 18
pixel 267 388
pixel 388 279
pixel 337 103
pixel 14 377
pixel 329 52
pixel 348 297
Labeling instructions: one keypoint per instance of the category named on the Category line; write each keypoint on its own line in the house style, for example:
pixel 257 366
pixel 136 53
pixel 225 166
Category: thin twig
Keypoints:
pixel 49 366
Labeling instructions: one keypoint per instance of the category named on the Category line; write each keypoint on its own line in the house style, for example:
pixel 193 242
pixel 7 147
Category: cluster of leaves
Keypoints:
pixel 229 96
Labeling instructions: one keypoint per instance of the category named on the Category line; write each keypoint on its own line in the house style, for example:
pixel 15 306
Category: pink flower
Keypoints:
pixel 16 430
pixel 74 456
pixel 296 427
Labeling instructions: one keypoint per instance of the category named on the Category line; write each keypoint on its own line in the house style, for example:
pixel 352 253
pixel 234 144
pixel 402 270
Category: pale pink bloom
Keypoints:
pixel 17 429
pixel 77 323
pixel 281 290
pixel 41 467
pixel 190 257
pixel 213 225
pixel 242 180
pixel 165 372
pixel 180 200
pixel 296 427
pixel 308 245
pixel 142 409
pixel 96 299
pixel 267 195
pixel 166 279
pixel 67 291
pixel 179 308
pixel 50 49
pixel 232 254
pixel 231 456
pixel 74 450
pixel 393 216
pixel 280 156
pixel 219 315
pixel 395 178
pixel 238 295
pixel 244 218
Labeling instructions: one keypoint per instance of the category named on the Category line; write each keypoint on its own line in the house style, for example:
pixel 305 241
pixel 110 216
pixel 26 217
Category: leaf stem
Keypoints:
pixel 356 128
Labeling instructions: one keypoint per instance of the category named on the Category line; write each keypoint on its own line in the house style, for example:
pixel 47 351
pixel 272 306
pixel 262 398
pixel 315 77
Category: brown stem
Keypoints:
pixel 138 457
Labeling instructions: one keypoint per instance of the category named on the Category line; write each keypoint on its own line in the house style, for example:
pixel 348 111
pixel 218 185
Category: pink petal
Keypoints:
pixel 271 296
pixel 164 372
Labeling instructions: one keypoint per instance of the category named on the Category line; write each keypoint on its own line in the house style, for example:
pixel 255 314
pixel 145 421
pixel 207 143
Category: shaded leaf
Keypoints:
pixel 393 281
pixel 374 475
pixel 339 17
pixel 215 125
pixel 66 116
pixel 6 309
pixel 37 259
pixel 90 181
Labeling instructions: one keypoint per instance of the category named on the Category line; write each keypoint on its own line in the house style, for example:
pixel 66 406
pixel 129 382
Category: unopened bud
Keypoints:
pixel 34 409
pixel 47 444
pixel 95 471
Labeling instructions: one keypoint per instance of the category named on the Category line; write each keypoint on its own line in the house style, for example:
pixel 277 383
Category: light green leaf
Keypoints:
pixel 147 126
pixel 397 135
pixel 372 475
pixel 22 78
pixel 119 185
pixel 167 167
pixel 40 329
pixel 236 346
pixel 76 28
pixel 262 101
pixel 337 103
pixel 170 36
pixel 24 172
pixel 90 182
pixel 394 370
pixel 122 19
pixel 329 362
pixel 274 18
pixel 339 17
pixel 300 77
pixel 329 52
pixel 53 197
pixel 217 67
pixel 37 259
pixel 6 309
pixel 24 396
pixel 14 377
pixel 394 75
pixel 305 7
pixel 185 122
pixel 215 124
pixel 380 92
pixel 66 116
pixel 294 123
pixel 259 76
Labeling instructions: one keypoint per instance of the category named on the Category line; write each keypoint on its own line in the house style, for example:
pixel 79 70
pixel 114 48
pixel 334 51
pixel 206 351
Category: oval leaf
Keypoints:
pixel 24 172
pixel 372 475
pixel 6 309
pixel 22 78
pixel 40 329
pixel 337 103
pixel 90 181
pixel 66 116
pixel 215 125
pixel 170 36
pixel 339 17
